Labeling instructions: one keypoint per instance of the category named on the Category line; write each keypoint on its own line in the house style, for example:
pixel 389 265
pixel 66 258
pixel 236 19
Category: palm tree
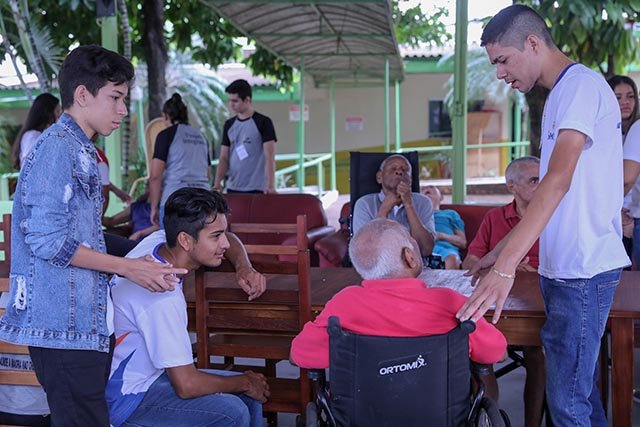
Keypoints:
pixel 481 81
pixel 201 90
pixel 36 43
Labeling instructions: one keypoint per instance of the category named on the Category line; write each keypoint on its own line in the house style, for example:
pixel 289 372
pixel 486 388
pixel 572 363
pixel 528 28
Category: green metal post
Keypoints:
pixel 517 127
pixel 398 123
pixel 387 144
pixel 459 188
pixel 332 118
pixel 109 29
pixel 140 120
pixel 300 142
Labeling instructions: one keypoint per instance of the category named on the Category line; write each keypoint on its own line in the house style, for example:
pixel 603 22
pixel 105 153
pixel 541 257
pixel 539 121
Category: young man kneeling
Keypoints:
pixel 153 379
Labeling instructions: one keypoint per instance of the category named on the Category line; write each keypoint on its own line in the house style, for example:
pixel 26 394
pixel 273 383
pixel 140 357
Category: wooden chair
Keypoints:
pixel 230 326
pixel 13 377
pixel 151 131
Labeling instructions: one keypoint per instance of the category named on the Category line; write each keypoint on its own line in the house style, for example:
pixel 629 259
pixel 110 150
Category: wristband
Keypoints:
pixel 503 275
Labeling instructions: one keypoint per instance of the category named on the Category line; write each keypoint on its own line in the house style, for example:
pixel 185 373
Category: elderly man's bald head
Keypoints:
pixel 384 249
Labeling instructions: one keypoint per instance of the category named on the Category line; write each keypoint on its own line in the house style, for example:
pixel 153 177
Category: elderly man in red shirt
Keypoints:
pixel 391 301
pixel 522 176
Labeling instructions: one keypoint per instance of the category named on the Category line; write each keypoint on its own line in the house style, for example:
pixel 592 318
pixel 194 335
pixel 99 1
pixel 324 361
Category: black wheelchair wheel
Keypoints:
pixel 489 415
pixel 312 415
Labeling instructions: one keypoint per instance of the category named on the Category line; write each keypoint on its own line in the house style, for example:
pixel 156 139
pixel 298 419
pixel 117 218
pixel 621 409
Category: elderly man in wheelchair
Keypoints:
pixel 397 355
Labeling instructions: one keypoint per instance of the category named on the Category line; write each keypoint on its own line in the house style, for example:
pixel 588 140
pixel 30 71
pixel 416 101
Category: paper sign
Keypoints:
pixel 241 152
pixel 294 113
pixel 354 123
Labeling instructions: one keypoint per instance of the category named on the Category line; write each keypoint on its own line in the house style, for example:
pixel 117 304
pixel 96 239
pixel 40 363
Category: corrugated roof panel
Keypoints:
pixel 347 39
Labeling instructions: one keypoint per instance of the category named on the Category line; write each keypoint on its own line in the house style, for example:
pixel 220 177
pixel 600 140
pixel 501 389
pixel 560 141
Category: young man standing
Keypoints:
pixel 575 211
pixel 153 379
pixel 59 304
pixel 247 154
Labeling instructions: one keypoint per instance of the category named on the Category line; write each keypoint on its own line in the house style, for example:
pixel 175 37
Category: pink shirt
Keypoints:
pixel 395 308
pixel 496 224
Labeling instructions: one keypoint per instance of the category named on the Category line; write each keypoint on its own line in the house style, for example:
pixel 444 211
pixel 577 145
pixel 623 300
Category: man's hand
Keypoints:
pixel 404 192
pixel 152 275
pixel 257 386
pixel 525 266
pixel 390 200
pixel 252 282
pixel 479 269
pixel 491 289
pixel 270 191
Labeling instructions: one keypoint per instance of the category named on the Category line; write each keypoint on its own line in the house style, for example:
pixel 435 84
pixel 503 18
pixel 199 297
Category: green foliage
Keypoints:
pixel 8 133
pixel 414 27
pixel 580 29
pixel 481 80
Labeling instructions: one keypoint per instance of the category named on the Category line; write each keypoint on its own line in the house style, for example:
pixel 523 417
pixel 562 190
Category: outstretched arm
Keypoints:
pixel 495 287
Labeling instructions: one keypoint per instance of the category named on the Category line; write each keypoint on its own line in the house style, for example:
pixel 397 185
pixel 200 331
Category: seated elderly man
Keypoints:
pixel 522 176
pixel 396 202
pixel 391 301
pixel 153 380
pixel 450 237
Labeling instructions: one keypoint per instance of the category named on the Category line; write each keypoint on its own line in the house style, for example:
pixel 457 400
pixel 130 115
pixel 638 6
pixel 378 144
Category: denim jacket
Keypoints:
pixel 57 207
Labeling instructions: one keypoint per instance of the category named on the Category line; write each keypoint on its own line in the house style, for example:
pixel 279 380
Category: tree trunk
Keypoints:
pixel 535 99
pixel 155 50
pixel 126 49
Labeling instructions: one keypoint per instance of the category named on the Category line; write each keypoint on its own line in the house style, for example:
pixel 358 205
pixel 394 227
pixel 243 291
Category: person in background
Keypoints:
pixel 107 185
pixel 44 112
pixel 137 214
pixel 522 177
pixel 397 202
pixel 248 151
pixel 180 158
pixel 450 237
pixel 627 94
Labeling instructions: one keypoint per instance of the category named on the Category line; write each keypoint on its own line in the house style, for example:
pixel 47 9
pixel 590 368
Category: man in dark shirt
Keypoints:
pixel 247 155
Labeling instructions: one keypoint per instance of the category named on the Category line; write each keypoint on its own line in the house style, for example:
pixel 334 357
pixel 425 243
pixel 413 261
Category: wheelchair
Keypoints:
pixel 401 381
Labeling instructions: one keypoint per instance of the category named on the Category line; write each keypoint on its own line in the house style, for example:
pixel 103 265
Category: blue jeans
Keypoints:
pixel 577 311
pixel 636 242
pixel 161 406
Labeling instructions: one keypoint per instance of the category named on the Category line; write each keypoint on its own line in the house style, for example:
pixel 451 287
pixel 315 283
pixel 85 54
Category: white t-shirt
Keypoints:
pixel 151 335
pixel 27 142
pixel 631 150
pixel 584 235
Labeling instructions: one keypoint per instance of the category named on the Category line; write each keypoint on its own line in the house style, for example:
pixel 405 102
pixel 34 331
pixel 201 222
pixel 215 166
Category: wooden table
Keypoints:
pixel 521 319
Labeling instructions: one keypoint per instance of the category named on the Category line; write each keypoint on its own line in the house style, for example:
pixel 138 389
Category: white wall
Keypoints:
pixel 416 91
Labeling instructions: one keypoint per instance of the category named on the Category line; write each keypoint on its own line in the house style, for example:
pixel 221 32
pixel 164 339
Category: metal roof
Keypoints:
pixel 345 40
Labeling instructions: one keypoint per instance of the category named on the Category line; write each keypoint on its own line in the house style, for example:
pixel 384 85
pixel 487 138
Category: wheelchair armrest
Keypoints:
pixel 480 370
pixel 316 374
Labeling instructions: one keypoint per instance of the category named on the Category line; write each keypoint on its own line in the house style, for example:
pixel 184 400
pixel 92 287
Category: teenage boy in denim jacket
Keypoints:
pixel 59 303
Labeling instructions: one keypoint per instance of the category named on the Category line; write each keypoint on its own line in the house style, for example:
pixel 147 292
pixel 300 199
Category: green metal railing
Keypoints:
pixel 310 160
pixel 524 147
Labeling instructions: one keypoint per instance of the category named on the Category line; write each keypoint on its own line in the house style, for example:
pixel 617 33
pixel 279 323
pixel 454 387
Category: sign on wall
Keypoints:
pixel 354 123
pixel 294 113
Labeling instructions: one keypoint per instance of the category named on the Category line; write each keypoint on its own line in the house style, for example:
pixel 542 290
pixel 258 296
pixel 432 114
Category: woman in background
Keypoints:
pixel 180 158
pixel 627 94
pixel 44 112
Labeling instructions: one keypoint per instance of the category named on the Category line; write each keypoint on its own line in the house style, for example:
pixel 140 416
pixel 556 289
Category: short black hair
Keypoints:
pixel 240 87
pixel 190 210
pixel 176 110
pixel 92 66
pixel 512 25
